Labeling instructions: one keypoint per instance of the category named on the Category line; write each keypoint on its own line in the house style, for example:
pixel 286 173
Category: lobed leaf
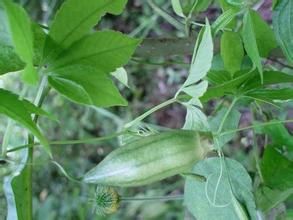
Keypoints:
pixel 76 18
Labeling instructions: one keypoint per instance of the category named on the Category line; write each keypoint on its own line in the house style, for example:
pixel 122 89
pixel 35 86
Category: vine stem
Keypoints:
pixel 226 115
pixel 6 138
pixel 68 142
pixel 42 92
pixel 155 198
pixel 256 126
pixel 149 112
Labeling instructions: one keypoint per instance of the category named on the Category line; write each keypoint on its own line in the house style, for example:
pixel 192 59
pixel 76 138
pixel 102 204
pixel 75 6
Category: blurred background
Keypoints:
pixel 152 81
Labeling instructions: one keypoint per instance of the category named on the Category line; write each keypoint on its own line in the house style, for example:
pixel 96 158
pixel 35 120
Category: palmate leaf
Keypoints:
pixel 22 36
pixel 76 18
pixel 20 111
pixel 87 86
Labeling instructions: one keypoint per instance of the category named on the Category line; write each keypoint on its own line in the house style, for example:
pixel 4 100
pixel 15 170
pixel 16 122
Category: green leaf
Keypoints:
pixel 238 3
pixel 276 175
pixel 9 60
pixel 202 57
pixel 225 86
pixel 76 18
pixel 195 119
pixel 270 78
pixel 232 55
pixel 267 198
pixel 225 19
pixel 282 24
pixel 20 111
pixel 264 35
pixel 250 44
pixel 104 50
pixel 177 8
pixel 226 194
pixel 16 190
pixel 39 41
pixel 121 75
pixel 280 138
pixel 230 123
pixel 272 94
pixel 20 28
pixel 87 86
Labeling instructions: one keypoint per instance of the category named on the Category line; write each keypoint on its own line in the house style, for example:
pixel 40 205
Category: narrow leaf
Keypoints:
pixel 21 111
pixel 202 57
pixel 283 26
pixel 250 44
pixel 232 55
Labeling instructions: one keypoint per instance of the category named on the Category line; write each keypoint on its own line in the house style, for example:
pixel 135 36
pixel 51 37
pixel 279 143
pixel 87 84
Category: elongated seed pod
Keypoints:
pixel 149 159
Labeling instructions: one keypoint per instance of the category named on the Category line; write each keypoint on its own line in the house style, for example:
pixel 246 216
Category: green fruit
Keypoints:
pixel 149 159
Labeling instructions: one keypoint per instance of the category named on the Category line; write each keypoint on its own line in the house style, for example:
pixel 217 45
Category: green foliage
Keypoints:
pixel 86 85
pixel 226 193
pixel 250 43
pixel 75 19
pixel 20 111
pixel 282 22
pixel 20 28
pixel 232 56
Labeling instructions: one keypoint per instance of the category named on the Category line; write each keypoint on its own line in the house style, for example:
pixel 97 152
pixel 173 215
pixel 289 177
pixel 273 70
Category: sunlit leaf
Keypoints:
pixel 87 86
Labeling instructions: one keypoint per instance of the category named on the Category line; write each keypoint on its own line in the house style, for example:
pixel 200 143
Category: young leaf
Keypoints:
pixel 76 18
pixel 226 194
pixel 20 111
pixel 202 57
pixel 264 35
pixel 195 119
pixel 87 86
pixel 282 23
pixel 103 50
pixel 224 20
pixel 20 28
pixel 232 55
pixel 177 8
pixel 250 44
pixel 121 75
